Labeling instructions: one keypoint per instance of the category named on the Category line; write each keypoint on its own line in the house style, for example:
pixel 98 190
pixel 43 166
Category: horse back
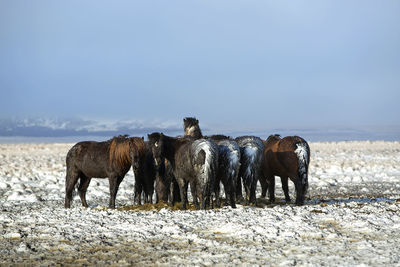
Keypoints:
pixel 183 160
pixel 90 158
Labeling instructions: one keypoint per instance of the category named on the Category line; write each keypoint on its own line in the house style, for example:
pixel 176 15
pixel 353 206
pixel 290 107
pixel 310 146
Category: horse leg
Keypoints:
pixel 229 190
pixel 230 185
pixel 83 186
pixel 253 198
pixel 247 189
pixel 183 192
pixel 299 191
pixel 171 194
pixel 271 188
pixel 138 190
pixel 217 192
pixel 195 194
pixel 177 195
pixel 70 180
pixel 264 185
pixel 114 184
pixel 149 190
pixel 285 188
pixel 239 195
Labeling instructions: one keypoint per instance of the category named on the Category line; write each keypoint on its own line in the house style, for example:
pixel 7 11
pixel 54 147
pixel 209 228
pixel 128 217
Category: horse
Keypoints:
pixel 252 156
pixel 167 189
pixel 287 157
pixel 145 176
pixel 228 168
pixel 228 159
pixel 194 162
pixel 112 159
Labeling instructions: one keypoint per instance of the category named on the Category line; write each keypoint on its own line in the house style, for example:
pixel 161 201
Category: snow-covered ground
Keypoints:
pixel 352 216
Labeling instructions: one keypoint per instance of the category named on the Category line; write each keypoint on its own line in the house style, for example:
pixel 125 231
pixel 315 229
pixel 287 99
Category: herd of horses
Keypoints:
pixel 168 165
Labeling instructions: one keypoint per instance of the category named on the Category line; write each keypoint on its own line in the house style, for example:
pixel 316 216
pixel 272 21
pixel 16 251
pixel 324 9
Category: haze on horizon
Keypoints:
pixel 232 64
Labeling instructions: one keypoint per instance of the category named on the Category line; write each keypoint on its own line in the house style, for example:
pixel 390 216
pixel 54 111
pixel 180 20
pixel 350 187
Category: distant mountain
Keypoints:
pixel 77 127
pixel 56 127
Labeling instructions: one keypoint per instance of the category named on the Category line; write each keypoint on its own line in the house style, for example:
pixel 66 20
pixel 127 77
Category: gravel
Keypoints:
pixel 351 216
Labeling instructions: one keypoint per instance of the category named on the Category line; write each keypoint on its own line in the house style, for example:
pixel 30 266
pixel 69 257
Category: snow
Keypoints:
pixel 351 219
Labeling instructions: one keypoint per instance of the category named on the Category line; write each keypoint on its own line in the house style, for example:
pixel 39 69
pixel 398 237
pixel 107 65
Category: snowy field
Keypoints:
pixel 352 217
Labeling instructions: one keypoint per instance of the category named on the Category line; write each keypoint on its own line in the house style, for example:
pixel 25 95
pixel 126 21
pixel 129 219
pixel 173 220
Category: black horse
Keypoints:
pixel 228 168
pixel 252 156
pixel 112 159
pixel 145 176
pixel 167 188
pixel 228 159
pixel 194 162
pixel 287 157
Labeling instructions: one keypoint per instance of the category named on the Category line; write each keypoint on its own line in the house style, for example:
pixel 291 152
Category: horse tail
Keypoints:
pixel 234 160
pixel 253 153
pixel 206 153
pixel 303 155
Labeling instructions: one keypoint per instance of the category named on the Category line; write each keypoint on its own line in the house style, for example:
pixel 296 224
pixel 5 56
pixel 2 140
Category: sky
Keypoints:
pixel 232 64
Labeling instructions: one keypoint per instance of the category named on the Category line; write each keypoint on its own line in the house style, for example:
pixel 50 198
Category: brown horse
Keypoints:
pixel 287 157
pixel 112 159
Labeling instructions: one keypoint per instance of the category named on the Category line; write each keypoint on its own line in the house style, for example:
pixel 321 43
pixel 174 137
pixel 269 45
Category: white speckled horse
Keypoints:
pixel 193 161
pixel 287 157
pixel 252 156
pixel 228 160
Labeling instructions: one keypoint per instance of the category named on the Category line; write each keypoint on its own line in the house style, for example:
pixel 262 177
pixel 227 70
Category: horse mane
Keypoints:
pixel 218 137
pixel 120 148
pixel 274 137
pixel 155 135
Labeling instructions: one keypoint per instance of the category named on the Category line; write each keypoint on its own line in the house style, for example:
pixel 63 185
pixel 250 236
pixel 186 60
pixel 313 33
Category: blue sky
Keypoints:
pixel 232 64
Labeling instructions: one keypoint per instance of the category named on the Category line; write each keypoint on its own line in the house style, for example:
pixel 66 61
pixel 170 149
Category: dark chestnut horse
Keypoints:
pixel 287 157
pixel 194 162
pixel 252 157
pixel 112 159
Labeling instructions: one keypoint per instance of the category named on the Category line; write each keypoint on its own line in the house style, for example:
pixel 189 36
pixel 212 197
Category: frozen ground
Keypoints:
pixel 352 217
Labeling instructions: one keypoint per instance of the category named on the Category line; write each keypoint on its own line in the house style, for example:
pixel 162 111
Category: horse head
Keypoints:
pixel 156 142
pixel 192 127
